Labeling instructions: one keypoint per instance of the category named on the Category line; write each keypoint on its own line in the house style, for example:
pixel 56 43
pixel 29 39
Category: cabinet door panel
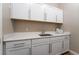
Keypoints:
pixel 57 48
pixel 19 10
pixel 20 51
pixel 66 43
pixel 40 50
pixel 51 14
pixel 40 41
pixel 25 43
pixel 37 12
pixel 59 16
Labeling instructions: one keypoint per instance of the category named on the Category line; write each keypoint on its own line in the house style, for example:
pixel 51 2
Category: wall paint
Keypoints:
pixel 30 26
pixel 7 25
pixel 0 20
pixel 0 28
pixel 71 23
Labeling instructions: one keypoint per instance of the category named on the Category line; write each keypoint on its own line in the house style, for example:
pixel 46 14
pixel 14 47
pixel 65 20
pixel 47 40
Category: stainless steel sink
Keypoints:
pixel 45 35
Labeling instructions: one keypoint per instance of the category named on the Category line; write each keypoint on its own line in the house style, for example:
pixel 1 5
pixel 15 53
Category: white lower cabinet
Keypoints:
pixel 40 50
pixel 18 47
pixel 42 46
pixel 59 45
pixel 19 51
pixel 55 46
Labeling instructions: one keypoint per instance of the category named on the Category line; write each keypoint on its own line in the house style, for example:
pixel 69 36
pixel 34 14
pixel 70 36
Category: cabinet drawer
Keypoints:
pixel 17 44
pixel 60 37
pixel 66 37
pixel 18 51
pixel 41 41
pixel 40 50
pixel 54 40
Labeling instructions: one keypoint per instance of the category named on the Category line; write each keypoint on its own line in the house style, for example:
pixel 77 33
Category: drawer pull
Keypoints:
pixel 18 44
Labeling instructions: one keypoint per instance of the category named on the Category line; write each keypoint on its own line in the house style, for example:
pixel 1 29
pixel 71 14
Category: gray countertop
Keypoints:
pixel 29 35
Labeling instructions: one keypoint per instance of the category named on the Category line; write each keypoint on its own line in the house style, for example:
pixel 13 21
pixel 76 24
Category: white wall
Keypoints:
pixel 71 23
pixel 0 19
pixel 7 24
pixel 0 28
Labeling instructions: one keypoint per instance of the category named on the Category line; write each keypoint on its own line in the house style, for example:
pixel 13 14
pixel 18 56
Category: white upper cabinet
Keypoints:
pixel 50 14
pixel 20 10
pixel 37 12
pixel 59 16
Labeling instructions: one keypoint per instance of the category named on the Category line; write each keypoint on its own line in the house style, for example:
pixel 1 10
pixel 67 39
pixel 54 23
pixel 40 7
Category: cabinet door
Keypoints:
pixel 37 12
pixel 50 14
pixel 56 48
pixel 59 16
pixel 19 10
pixel 40 50
pixel 66 44
pixel 19 51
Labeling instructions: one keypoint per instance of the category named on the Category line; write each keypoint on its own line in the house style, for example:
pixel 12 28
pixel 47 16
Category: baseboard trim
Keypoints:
pixel 73 52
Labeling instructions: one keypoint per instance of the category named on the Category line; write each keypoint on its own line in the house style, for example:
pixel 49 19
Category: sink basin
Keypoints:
pixel 45 35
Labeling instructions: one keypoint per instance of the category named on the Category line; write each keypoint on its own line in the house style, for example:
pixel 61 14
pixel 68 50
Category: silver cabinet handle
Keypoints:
pixel 50 48
pixel 18 44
